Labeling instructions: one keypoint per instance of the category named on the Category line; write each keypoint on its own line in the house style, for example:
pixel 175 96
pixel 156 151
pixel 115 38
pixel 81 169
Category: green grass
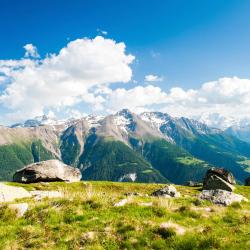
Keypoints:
pixel 16 156
pixel 106 159
pixel 87 219
pixel 174 163
pixel 187 160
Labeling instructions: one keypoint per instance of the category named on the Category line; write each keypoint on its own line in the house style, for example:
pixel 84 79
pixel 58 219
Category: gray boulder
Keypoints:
pixel 167 191
pixel 222 173
pixel 247 181
pixel 221 197
pixel 47 171
pixel 218 178
pixel 215 182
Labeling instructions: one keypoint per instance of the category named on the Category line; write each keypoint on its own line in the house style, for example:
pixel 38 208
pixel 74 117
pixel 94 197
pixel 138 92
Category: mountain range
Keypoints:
pixel 149 147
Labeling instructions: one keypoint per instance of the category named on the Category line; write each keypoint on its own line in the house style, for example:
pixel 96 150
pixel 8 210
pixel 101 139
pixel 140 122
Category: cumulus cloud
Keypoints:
pixel 137 99
pixel 64 79
pixel 225 97
pixel 31 51
pixel 229 97
pixel 81 74
pixel 153 78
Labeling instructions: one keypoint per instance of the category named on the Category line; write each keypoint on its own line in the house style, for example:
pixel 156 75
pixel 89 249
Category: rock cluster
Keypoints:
pixel 47 171
pixel 167 191
pixel 218 187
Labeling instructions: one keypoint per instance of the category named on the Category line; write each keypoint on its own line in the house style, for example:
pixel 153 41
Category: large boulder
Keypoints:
pixel 222 173
pixel 215 182
pixel 47 171
pixel 247 181
pixel 167 191
pixel 221 197
pixel 218 178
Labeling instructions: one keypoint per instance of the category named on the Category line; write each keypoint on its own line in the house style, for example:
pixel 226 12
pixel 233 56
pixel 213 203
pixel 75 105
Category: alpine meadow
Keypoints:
pixel 124 125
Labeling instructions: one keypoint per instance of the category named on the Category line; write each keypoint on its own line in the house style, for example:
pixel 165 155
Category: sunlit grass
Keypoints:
pixel 85 218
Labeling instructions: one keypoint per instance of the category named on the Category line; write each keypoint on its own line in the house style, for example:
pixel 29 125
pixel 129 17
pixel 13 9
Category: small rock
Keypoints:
pixel 193 184
pixel 247 181
pixel 39 195
pixel 89 236
pixel 167 192
pixel 121 203
pixel 21 208
pixel 10 193
pixel 221 197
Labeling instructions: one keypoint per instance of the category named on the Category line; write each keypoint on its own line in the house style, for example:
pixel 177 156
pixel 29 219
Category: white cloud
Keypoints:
pixel 82 72
pixel 137 99
pixel 75 114
pixel 229 97
pixel 2 79
pixel 102 32
pixel 153 78
pixel 226 97
pixel 66 78
pixel 31 51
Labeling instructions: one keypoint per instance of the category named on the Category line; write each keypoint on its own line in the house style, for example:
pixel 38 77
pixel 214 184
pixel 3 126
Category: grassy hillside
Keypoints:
pixel 70 149
pixel 219 150
pixel 86 218
pixel 15 156
pixel 107 159
pixel 175 164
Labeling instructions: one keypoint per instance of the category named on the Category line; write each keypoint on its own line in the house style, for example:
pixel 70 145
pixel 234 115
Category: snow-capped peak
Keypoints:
pixel 93 120
pixel 124 120
pixel 40 121
pixel 156 119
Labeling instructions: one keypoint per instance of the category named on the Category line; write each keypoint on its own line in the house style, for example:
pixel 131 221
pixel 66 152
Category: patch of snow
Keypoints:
pixel 124 120
pixel 131 176
pixel 94 120
pixel 156 119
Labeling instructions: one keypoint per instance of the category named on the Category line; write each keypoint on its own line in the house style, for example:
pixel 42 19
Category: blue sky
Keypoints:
pixel 186 43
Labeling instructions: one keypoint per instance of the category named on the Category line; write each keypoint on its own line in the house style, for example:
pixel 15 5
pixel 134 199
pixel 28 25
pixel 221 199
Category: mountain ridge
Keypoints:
pixel 166 148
